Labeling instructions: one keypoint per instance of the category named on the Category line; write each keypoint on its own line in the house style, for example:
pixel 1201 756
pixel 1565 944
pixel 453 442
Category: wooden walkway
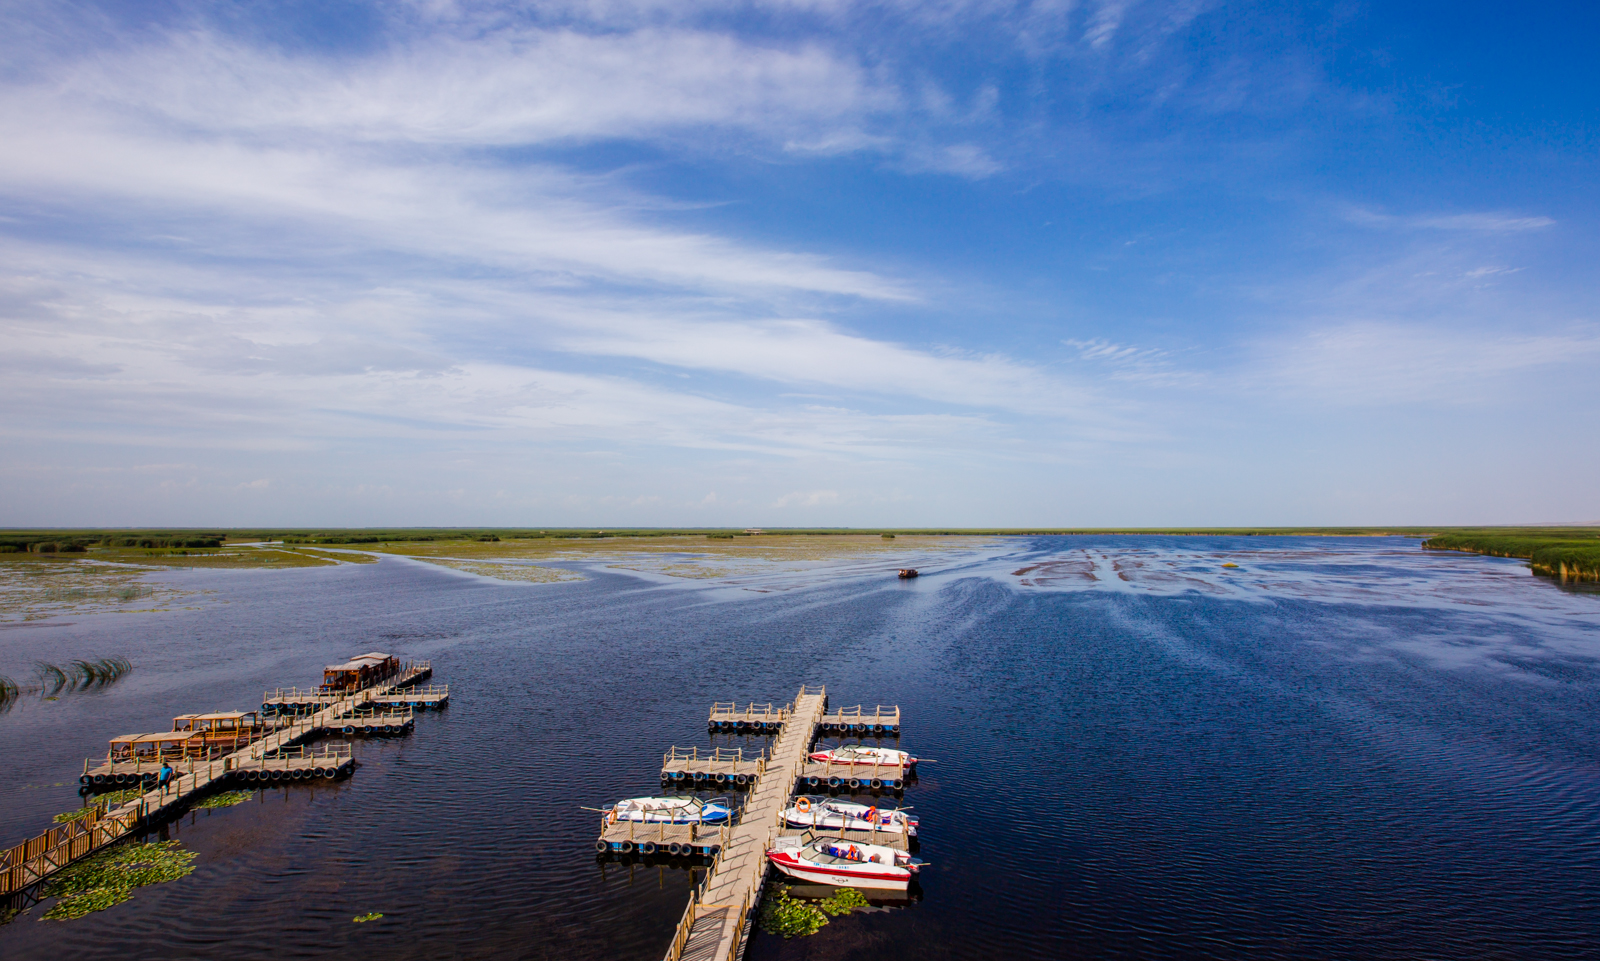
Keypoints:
pixel 715 924
pixel 274 757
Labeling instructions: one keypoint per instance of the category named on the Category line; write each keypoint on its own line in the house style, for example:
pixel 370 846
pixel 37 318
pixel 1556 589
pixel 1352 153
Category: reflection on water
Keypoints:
pixel 1339 747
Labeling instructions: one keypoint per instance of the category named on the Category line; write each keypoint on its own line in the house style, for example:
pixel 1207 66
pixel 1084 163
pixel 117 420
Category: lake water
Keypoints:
pixel 1338 748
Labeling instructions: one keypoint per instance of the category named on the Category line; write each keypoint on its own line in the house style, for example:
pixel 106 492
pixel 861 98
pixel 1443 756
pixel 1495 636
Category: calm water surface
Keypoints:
pixel 1339 748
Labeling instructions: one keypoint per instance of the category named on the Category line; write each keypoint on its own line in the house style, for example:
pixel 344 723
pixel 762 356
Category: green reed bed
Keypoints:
pixel 81 675
pixel 52 680
pixel 1559 554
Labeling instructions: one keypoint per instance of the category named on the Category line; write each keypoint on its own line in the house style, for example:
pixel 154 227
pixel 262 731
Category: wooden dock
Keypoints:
pixel 833 776
pixel 280 755
pixel 399 689
pixel 889 839
pixel 661 838
pixel 433 697
pixel 730 716
pixel 367 721
pixel 884 721
pixel 715 924
pixel 721 767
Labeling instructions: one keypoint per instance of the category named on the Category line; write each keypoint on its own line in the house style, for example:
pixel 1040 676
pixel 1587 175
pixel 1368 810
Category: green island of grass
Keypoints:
pixel 1570 554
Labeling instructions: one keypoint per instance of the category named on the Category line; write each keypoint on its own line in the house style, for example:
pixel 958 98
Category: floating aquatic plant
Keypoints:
pixel 372 916
pixel 783 915
pixel 843 901
pixel 110 877
pixel 226 799
pixel 9 692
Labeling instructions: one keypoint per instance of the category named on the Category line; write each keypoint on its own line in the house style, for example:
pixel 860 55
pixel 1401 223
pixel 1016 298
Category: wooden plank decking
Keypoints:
pixel 718 767
pixel 38 858
pixel 729 716
pixel 883 720
pixel 713 928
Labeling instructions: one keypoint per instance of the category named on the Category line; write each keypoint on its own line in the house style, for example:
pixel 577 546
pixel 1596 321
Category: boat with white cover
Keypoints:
pixel 848 864
pixel 679 809
pixel 859 754
pixel 832 814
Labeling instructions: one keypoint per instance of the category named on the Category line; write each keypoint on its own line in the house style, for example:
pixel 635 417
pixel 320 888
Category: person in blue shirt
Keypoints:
pixel 166 774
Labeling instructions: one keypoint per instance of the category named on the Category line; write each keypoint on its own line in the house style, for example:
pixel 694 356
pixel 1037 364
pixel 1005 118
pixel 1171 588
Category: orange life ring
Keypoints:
pixel 613 818
pixel 803 805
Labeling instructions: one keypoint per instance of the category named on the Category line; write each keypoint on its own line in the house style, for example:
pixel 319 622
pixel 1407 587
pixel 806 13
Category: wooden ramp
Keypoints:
pixel 714 925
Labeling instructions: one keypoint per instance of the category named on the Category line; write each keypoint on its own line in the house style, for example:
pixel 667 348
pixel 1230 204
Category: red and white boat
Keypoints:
pixel 846 864
pixel 809 811
pixel 859 755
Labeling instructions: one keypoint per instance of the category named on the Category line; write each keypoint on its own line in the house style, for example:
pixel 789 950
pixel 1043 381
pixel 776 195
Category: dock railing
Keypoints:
pixel 750 713
pixel 37 858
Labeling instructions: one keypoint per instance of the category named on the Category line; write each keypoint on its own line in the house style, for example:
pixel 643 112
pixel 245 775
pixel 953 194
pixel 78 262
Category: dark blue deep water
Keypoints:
pixel 1338 749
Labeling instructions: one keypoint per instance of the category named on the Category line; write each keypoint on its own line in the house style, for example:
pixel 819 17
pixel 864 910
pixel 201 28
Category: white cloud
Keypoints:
pixel 1483 221
pixel 512 86
pixel 1369 363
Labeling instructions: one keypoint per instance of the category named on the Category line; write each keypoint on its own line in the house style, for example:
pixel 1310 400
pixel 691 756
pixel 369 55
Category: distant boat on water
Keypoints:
pixel 908 572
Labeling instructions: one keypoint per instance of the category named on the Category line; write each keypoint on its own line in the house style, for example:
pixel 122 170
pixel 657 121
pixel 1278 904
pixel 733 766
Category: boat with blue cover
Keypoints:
pixel 676 809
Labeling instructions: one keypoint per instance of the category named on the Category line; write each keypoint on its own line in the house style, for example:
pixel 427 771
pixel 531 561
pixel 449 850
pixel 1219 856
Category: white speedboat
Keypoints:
pixel 858 755
pixel 680 809
pixel 848 864
pixel 831 814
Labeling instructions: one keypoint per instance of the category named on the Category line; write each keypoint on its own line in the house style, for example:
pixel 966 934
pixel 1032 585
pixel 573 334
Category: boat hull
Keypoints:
pixel 817 874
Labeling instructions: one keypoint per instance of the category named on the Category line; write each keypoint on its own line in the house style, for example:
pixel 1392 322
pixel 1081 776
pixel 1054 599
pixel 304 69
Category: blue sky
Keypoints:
pixel 801 263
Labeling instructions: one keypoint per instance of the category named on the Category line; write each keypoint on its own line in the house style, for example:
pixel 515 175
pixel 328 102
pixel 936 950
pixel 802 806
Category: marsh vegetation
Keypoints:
pixel 1564 553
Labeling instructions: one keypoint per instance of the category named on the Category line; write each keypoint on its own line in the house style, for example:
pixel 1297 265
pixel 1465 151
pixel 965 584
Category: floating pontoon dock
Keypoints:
pixel 383 707
pixel 719 767
pixel 678 840
pixel 884 721
pixel 752 717
pixel 714 925
pixel 396 688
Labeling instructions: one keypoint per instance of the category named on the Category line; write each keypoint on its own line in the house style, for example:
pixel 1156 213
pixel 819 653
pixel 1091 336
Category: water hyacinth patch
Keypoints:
pixel 106 879
pixel 370 916
pixel 788 918
pixel 843 901
pixel 226 799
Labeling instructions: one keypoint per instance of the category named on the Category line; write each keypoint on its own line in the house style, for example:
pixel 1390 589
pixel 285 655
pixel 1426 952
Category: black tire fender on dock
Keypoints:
pixel 647 847
pixel 602 846
pixel 626 847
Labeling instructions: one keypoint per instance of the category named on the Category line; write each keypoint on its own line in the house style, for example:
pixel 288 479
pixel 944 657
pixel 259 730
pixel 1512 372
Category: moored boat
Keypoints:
pixel 860 755
pixel 908 572
pixel 678 809
pixel 850 864
pixel 832 814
